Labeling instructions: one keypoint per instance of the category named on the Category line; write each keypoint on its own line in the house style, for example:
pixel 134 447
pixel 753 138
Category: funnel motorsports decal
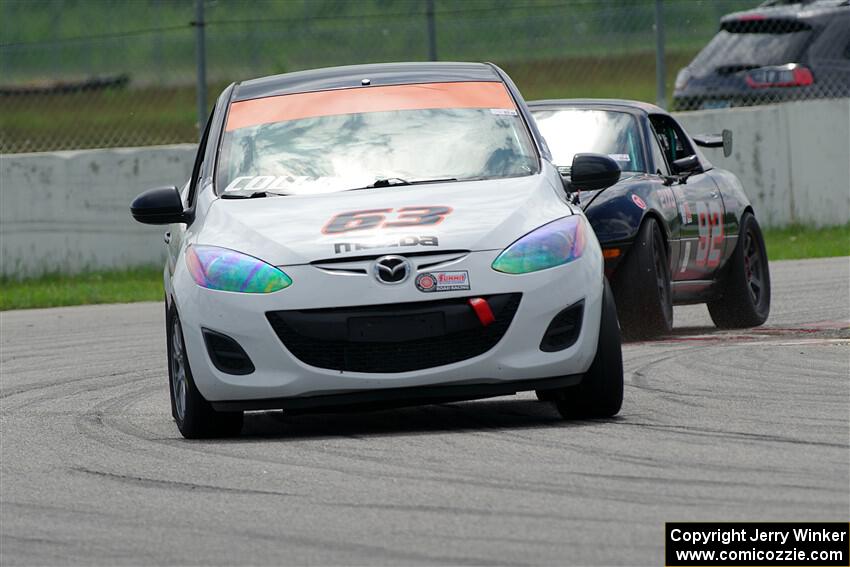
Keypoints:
pixel 442 281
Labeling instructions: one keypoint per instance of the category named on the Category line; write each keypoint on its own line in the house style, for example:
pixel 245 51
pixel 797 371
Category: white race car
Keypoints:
pixel 377 235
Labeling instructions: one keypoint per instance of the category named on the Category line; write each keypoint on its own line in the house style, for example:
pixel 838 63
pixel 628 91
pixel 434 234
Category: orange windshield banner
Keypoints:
pixel 422 96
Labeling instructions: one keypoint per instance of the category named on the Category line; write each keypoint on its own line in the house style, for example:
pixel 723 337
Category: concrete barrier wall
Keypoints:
pixel 793 158
pixel 68 211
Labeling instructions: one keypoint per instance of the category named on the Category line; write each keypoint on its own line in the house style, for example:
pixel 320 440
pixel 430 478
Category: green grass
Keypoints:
pixel 141 284
pixel 801 242
pixel 145 284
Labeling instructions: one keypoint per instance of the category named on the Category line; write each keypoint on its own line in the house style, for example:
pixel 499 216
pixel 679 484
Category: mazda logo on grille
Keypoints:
pixel 391 269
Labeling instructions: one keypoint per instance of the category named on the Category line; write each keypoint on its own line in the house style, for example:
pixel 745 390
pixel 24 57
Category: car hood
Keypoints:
pixel 471 215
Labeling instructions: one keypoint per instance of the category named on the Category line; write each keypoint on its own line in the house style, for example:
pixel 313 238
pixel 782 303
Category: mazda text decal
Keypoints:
pixel 385 218
pixel 343 247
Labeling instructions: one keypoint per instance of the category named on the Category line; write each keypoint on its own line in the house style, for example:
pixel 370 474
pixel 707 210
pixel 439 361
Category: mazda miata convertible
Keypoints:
pixel 674 229
pixel 380 235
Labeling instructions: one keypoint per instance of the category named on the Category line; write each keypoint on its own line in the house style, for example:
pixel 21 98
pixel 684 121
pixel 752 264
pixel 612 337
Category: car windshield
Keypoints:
pixel 330 141
pixel 731 52
pixel 570 131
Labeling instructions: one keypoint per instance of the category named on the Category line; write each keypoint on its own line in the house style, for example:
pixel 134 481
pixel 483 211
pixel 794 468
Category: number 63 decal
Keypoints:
pixel 710 224
pixel 386 218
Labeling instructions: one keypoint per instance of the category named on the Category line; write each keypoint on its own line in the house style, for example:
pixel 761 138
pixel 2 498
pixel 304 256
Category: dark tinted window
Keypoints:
pixel 673 141
pixel 657 155
pixel 738 48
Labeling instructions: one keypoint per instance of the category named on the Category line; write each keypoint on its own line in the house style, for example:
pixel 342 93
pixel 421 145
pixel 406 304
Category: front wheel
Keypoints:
pixel 642 286
pixel 743 298
pixel 194 415
pixel 600 393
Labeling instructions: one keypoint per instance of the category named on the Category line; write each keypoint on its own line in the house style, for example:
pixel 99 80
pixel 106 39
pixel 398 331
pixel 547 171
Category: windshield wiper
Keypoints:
pixel 254 195
pixel 398 181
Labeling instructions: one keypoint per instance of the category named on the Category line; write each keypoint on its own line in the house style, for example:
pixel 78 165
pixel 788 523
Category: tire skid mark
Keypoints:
pixel 370 552
pixel 54 509
pixel 177 444
pixel 176 485
pixel 17 390
pixel 97 423
pixel 463 511
pixel 19 407
pixel 471 480
pixel 130 433
pixel 29 540
pixel 737 435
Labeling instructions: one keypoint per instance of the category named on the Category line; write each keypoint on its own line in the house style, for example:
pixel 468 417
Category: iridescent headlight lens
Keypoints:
pixel 228 270
pixel 551 245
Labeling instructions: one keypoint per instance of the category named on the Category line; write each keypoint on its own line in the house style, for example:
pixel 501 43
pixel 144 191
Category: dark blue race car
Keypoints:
pixel 674 229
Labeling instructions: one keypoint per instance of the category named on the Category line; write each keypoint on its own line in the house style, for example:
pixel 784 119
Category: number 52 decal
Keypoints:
pixel 710 224
pixel 385 218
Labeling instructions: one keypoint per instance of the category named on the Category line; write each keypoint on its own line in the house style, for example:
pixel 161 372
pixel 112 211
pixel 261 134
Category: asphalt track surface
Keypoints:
pixel 716 426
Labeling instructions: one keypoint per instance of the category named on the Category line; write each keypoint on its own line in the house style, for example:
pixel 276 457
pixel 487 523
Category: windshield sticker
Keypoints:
pixel 620 157
pixel 430 282
pixel 503 111
pixel 426 96
pixel 283 185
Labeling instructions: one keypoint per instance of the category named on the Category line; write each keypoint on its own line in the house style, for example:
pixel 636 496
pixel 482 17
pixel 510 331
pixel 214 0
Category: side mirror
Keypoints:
pixel 687 165
pixel 590 172
pixel 159 206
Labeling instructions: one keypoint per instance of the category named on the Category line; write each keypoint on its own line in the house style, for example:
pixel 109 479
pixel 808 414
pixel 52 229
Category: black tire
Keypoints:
pixel 600 393
pixel 547 395
pixel 195 417
pixel 743 298
pixel 642 286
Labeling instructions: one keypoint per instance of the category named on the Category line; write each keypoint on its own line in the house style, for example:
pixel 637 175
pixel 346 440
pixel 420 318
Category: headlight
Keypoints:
pixel 227 270
pixel 551 245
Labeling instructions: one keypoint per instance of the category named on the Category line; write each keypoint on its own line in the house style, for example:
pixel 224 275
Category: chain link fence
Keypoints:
pixel 106 73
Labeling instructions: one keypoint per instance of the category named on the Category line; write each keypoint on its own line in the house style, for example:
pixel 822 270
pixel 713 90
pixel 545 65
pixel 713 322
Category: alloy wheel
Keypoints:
pixel 179 382
pixel 753 267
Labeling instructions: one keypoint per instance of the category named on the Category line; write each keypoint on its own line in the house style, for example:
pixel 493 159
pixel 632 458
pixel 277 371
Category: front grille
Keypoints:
pixel 392 338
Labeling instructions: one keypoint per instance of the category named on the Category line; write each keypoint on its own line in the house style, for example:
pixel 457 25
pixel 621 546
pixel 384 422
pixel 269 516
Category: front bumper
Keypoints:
pixel 281 376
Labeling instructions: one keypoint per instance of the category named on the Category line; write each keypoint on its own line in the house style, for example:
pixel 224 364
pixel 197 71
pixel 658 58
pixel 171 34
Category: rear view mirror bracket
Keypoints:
pixel 686 166
pixel 723 140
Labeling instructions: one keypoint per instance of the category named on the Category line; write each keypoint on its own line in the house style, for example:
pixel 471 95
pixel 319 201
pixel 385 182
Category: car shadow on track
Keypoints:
pixel 680 333
pixel 459 417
